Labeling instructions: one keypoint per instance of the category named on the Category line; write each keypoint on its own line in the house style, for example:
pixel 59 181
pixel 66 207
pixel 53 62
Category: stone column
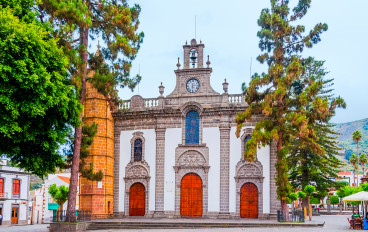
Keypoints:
pixel 116 173
pixel 160 173
pixel 224 170
pixel 275 203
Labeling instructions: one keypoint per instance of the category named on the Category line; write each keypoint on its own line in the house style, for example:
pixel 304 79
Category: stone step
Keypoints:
pixel 167 225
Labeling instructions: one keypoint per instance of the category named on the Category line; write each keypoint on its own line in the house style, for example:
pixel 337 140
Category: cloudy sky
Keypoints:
pixel 229 31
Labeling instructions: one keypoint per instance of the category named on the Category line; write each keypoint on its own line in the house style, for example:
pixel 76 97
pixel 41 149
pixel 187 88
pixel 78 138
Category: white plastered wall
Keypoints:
pixel 263 155
pixel 172 139
pixel 150 157
pixel 211 137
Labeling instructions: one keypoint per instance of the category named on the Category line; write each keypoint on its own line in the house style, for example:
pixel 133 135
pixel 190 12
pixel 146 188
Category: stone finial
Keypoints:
pixel 186 42
pixel 178 64
pixel 208 62
pixel 161 89
pixel 225 86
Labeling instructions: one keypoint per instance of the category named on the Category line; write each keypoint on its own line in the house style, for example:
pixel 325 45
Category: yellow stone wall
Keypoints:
pixel 99 200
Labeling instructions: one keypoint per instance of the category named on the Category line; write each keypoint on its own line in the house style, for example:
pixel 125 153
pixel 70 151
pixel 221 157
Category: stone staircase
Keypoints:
pixel 106 225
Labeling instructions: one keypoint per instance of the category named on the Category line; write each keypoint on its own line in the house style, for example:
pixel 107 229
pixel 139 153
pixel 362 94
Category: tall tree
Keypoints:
pixel 306 166
pixel 269 95
pixel 353 161
pixel 77 21
pixel 38 104
pixel 363 160
pixel 357 136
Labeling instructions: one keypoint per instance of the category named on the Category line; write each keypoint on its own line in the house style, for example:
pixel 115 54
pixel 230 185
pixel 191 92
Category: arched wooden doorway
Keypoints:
pixel 191 196
pixel 249 201
pixel 137 200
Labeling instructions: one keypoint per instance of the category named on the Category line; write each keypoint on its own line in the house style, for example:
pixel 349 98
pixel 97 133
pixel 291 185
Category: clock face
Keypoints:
pixel 192 85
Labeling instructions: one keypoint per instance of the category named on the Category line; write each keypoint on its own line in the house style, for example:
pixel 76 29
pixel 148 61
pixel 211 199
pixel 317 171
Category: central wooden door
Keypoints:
pixel 137 200
pixel 191 196
pixel 249 201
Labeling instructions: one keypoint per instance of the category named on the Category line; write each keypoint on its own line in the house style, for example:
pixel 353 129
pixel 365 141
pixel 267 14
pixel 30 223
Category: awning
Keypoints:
pixel 53 206
pixel 360 196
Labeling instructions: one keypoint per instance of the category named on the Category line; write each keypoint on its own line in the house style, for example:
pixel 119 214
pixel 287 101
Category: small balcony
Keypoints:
pixel 15 195
pixel 3 196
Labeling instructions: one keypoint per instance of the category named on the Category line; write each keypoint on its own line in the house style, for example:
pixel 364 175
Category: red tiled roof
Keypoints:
pixel 65 179
pixel 345 173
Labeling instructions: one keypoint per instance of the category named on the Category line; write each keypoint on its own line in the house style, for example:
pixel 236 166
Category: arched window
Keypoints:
pixel 248 137
pixel 192 128
pixel 138 150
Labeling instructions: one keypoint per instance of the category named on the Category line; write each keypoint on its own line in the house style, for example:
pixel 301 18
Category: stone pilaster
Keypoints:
pixel 224 169
pixel 275 203
pixel 160 172
pixel 116 172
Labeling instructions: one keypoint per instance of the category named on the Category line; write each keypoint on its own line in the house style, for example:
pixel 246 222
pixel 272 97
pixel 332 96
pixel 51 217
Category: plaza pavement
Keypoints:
pixel 332 223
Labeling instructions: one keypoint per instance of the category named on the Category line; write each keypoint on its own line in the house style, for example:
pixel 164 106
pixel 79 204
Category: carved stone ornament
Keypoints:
pixel 137 172
pixel 137 102
pixel 191 159
pixel 245 169
pixel 249 170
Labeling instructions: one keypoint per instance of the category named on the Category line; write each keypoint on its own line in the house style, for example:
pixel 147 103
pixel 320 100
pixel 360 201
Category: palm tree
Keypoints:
pixel 357 136
pixel 363 160
pixel 353 161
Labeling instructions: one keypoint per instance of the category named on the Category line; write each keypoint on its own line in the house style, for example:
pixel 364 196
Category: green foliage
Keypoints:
pixel 314 200
pixel 309 189
pixel 59 194
pixel 270 95
pixel 86 170
pixel 306 165
pixel 38 104
pixel 353 159
pixel 301 194
pixel 340 183
pixel 357 136
pixel 35 185
pixel 363 159
pixel 334 200
pixel 288 200
pixel 293 196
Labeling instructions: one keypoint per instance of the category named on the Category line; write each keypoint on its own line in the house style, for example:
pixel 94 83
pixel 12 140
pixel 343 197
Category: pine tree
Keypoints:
pixel 269 95
pixel 306 166
pixel 77 21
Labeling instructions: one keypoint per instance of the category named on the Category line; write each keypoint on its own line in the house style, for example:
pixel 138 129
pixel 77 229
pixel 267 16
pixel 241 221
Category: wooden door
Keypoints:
pixel 249 201
pixel 137 200
pixel 14 215
pixel 191 196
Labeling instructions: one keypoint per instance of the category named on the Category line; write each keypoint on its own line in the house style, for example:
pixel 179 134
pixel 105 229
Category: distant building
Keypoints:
pixel 349 177
pixel 44 207
pixel 14 194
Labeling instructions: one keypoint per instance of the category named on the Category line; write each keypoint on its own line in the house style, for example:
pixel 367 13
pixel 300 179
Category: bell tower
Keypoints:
pixel 193 55
pixel 97 196
pixel 193 80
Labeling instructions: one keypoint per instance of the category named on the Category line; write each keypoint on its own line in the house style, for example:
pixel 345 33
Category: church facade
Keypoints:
pixel 178 156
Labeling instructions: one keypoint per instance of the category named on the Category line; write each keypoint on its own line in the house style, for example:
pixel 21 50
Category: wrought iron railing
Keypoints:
pixel 15 195
pixel 294 216
pixel 3 195
pixel 82 215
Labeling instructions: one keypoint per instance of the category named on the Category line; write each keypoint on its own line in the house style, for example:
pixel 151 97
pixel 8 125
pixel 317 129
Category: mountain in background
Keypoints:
pixel 346 139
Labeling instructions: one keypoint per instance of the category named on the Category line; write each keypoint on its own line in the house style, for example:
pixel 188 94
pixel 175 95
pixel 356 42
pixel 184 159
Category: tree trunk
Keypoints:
pixel 72 197
pixel 292 210
pixel 280 170
pixel 358 162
